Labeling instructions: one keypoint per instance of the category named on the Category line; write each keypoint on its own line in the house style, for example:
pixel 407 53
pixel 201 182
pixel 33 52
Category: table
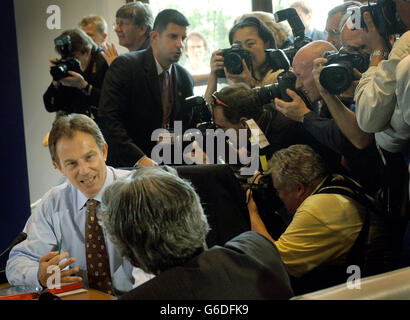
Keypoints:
pixel 91 294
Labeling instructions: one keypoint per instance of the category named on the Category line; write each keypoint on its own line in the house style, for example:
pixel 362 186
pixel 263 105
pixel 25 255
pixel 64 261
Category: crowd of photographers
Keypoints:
pixel 334 115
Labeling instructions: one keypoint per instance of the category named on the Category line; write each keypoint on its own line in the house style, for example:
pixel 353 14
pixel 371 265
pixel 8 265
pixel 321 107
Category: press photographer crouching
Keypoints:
pixel 77 77
pixel 335 223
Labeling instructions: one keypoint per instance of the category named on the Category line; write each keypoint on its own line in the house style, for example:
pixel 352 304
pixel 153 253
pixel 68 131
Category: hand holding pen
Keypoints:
pixel 54 258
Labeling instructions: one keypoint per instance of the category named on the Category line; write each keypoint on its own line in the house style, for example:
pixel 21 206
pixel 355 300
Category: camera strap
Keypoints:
pixel 257 135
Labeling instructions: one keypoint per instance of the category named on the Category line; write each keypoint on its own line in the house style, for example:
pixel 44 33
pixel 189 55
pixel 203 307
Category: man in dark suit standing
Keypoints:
pixel 144 91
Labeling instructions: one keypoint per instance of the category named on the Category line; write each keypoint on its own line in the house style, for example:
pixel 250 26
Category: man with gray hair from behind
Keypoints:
pixel 157 222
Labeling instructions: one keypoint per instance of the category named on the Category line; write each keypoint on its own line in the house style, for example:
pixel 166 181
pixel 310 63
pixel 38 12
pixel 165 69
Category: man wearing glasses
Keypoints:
pixel 335 20
pixel 133 24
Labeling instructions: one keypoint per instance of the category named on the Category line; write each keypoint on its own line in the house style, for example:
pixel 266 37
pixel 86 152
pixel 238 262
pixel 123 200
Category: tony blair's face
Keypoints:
pixel 82 162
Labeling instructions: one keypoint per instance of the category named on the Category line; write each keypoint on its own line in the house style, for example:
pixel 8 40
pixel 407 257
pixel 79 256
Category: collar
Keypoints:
pixel 160 69
pixel 319 185
pixel 82 199
pixel 146 44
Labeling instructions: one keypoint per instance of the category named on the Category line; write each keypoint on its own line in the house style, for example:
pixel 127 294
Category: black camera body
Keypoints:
pixel 384 16
pixel 233 60
pixel 337 76
pixel 277 59
pixel 67 62
pixel 265 94
pixel 199 109
pixel 298 30
pixel 265 196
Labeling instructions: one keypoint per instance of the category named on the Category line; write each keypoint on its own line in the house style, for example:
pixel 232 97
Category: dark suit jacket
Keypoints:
pixel 246 268
pixel 131 108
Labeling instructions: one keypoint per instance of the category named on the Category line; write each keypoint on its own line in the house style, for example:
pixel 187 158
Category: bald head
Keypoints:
pixel 303 67
pixel 313 50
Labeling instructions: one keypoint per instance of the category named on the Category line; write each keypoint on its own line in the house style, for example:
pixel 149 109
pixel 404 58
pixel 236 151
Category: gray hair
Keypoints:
pixel 140 13
pixel 297 164
pixel 154 218
pixel 67 126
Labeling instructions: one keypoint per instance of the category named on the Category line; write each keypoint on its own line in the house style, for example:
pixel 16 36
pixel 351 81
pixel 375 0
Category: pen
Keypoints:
pixel 60 245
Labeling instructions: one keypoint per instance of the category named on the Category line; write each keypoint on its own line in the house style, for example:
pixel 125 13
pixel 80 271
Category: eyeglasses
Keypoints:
pixel 217 101
pixel 120 24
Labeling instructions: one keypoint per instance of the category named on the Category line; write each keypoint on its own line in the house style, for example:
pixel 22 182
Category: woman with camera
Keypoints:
pixel 251 37
pixel 77 77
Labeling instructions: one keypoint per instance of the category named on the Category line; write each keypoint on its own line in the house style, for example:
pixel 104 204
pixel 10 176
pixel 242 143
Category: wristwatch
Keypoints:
pixel 379 53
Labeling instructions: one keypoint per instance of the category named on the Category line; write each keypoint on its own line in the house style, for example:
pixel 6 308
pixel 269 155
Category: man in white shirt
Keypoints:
pixel 58 223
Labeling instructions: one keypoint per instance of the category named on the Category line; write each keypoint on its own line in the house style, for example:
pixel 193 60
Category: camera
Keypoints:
pixel 277 59
pixel 199 109
pixel 385 18
pixel 337 76
pixel 233 60
pixel 268 203
pixel 298 29
pixel 67 62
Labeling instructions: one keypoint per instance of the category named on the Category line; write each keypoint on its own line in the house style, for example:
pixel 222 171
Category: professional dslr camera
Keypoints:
pixel 298 30
pixel 268 203
pixel 337 76
pixel 286 80
pixel 199 109
pixel 67 61
pixel 233 60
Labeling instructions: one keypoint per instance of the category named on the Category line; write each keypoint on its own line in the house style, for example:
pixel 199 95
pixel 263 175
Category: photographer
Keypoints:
pixel 331 215
pixel 383 99
pixel 341 133
pixel 234 105
pixel 382 95
pixel 78 91
pixel 254 37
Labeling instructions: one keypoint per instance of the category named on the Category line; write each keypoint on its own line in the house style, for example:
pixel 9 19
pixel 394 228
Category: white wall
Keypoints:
pixel 35 48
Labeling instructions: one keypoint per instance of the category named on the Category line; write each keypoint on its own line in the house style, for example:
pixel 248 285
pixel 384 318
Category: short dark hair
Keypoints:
pixel 241 101
pixel 168 16
pixel 67 126
pixel 140 13
pixel 263 31
pixel 80 41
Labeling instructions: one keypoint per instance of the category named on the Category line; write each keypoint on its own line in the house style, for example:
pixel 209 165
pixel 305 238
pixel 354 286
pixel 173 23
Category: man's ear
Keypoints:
pixel 105 151
pixel 300 189
pixel 154 35
pixel 57 166
pixel 143 28
pixel 105 35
